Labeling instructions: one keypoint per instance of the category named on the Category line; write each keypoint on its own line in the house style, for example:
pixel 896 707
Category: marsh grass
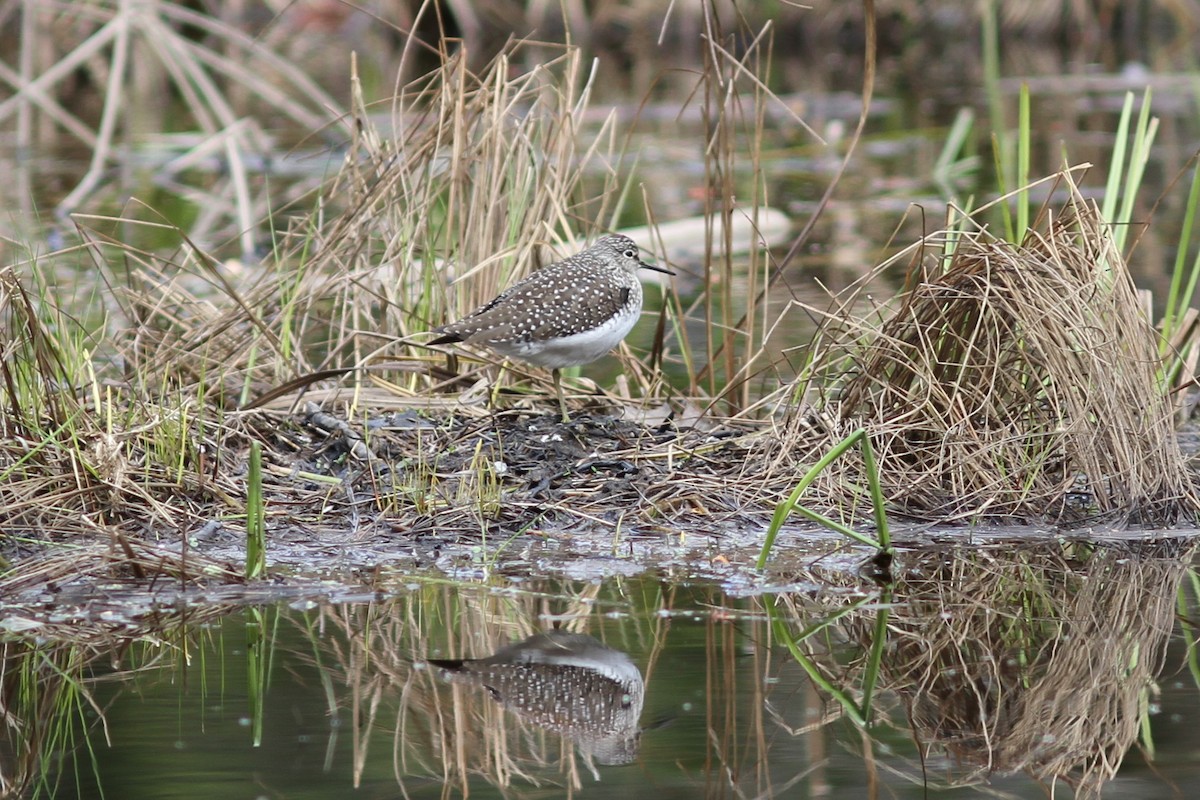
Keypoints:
pixel 1016 381
pixel 882 540
pixel 854 700
pixel 256 532
pixel 1018 375
pixel 46 710
pixel 1186 602
pixel 488 176
pixel 734 98
pixel 1058 686
pixel 260 638
pixel 1060 713
pixel 1049 686
pixel 482 177
pixel 89 462
pixel 1179 346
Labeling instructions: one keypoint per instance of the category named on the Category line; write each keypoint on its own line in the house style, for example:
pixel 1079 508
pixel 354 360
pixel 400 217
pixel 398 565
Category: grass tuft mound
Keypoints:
pixel 1020 381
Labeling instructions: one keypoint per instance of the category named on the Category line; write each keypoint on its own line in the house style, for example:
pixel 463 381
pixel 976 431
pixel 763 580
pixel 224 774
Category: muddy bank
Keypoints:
pixel 354 509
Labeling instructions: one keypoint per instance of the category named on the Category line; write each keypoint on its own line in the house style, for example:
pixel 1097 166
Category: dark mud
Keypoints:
pixel 361 511
pixel 408 487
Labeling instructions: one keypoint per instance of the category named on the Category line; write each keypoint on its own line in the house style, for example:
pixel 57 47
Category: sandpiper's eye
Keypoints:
pixel 630 253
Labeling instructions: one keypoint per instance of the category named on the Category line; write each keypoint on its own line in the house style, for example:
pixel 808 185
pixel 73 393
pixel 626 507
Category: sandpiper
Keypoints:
pixel 570 683
pixel 568 313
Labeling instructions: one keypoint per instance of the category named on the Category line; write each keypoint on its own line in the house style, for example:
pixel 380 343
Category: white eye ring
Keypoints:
pixel 630 253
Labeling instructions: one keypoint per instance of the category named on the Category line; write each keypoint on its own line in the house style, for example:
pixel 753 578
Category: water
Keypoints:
pixel 1007 658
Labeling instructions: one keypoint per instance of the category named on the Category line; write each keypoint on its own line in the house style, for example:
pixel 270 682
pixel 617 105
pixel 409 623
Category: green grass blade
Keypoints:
pixel 792 643
pixel 1010 231
pixel 1116 167
pixel 877 505
pixel 256 546
pixel 256 663
pixel 1023 126
pixel 875 656
pixel 1179 298
pixel 1190 634
pixel 792 503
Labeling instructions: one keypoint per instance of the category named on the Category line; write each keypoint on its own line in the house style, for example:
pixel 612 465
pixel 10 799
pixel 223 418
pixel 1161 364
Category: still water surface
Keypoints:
pixel 991 662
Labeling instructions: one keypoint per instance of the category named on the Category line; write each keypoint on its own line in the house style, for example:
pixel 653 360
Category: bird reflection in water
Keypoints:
pixel 569 683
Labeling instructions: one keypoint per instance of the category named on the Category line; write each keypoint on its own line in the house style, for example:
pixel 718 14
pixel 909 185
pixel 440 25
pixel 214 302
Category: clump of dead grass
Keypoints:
pixel 1011 381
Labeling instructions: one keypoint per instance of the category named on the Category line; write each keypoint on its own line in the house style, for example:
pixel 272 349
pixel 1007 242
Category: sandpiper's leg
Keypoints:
pixel 562 403
pixel 493 394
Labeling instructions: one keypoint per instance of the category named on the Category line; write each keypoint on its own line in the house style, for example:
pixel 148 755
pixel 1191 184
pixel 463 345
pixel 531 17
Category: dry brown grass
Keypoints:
pixel 228 84
pixel 480 180
pixel 1015 382
pixel 1008 381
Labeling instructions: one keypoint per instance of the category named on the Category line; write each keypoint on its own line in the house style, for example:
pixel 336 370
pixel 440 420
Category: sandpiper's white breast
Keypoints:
pixel 576 348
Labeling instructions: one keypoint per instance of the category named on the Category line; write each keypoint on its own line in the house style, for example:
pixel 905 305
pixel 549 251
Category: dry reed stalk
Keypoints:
pixel 138 51
pixel 1015 382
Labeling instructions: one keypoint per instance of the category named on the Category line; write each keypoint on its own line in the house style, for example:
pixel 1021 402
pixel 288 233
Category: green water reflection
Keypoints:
pixel 1037 663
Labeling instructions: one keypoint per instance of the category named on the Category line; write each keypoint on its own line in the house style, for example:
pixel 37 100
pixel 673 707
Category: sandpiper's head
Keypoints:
pixel 624 251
